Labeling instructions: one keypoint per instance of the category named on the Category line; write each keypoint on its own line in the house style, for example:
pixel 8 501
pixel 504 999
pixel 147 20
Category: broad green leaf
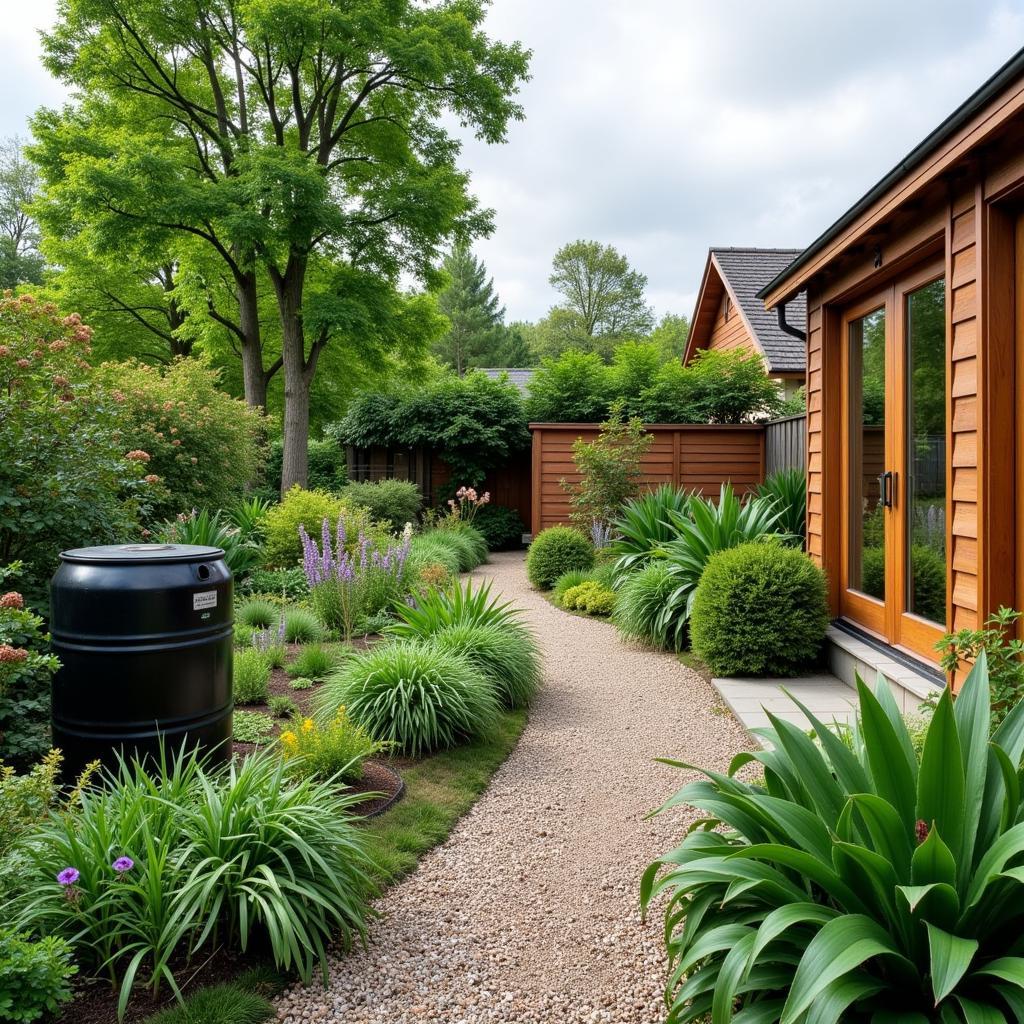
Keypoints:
pixel 950 957
pixel 937 901
pixel 1008 968
pixel 940 781
pixel 890 835
pixel 892 771
pixel 811 768
pixel 1006 847
pixel 840 947
pixel 830 1005
pixel 973 713
pixel 783 918
pixel 733 969
pixel 849 771
pixel 933 862
pixel 976 1013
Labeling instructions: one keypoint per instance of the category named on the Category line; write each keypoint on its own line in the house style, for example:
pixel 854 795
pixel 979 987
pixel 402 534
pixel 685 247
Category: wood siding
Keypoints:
pixel 699 458
pixel 730 330
pixel 509 485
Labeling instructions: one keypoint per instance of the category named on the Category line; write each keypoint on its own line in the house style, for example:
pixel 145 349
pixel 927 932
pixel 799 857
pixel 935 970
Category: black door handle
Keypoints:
pixel 887 488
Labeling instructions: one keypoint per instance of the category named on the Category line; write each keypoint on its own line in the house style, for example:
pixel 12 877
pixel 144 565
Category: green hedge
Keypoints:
pixel 556 551
pixel 760 609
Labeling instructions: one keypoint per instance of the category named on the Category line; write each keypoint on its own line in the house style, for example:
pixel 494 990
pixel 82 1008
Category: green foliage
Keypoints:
pixel 333 749
pixel 861 882
pixel 203 444
pixel 788 488
pixel 328 465
pixel 313 662
pixel 412 695
pixel 35 977
pixel 251 727
pixel 214 531
pixel 1003 656
pixel 589 597
pixel 219 1004
pixel 502 527
pixel 474 423
pixel 669 337
pixel 574 388
pixel 288 584
pixel 640 601
pixel 258 613
pixel 462 605
pixel 760 609
pixel 506 654
pixel 730 387
pixel 556 551
pixel 635 365
pixel 283 548
pixel 929 576
pixel 251 676
pixel 609 470
pixel 395 502
pixel 65 476
pixel 219 857
pixel 301 683
pixel 25 800
pixel 567 581
pixel 26 670
pixel 475 316
pixel 282 707
pixel 301 626
pixel 247 514
pixel 467 541
pixel 644 524
pixel 435 546
pixel 707 529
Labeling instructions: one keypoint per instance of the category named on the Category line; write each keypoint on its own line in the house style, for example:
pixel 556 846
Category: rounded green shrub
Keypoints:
pixel 413 695
pixel 507 655
pixel 590 597
pixel 395 502
pixel 283 548
pixel 556 551
pixel 502 527
pixel 258 614
pixel 641 602
pixel 760 609
pixel 301 626
pixel 432 548
pixel 566 582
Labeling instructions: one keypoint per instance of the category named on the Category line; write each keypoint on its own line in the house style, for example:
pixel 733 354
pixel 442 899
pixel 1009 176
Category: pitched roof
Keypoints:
pixel 741 272
pixel 520 376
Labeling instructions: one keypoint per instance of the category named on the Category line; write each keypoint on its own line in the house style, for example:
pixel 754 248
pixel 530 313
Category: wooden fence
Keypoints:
pixel 695 456
pixel 785 444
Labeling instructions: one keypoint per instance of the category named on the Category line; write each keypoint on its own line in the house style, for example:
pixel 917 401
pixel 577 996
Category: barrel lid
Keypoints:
pixel 106 554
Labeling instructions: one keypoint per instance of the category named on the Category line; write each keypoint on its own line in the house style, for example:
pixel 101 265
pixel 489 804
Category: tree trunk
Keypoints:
pixel 298 373
pixel 254 378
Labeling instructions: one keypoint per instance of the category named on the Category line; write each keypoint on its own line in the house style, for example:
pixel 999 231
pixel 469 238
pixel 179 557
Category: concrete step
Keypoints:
pixel 848 656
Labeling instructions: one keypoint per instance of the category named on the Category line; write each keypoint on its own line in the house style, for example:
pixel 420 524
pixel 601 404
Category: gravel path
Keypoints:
pixel 527 914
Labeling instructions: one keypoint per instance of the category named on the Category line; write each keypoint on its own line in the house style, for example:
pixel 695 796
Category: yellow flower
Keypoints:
pixel 307 725
pixel 289 740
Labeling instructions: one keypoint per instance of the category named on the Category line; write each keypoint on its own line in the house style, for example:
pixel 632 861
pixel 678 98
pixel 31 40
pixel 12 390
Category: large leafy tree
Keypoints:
pixel 602 299
pixel 300 139
pixel 474 311
pixel 20 259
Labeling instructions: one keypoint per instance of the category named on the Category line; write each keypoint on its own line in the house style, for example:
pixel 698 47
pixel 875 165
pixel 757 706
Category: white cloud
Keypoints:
pixel 666 126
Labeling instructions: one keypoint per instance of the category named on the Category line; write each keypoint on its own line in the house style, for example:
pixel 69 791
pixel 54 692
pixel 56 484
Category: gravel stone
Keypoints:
pixel 529 912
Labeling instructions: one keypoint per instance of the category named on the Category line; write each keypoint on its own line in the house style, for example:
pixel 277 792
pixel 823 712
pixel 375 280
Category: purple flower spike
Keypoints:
pixel 123 864
pixel 68 876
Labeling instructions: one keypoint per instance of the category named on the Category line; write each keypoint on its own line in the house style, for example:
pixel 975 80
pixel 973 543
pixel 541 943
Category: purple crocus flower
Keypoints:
pixel 123 864
pixel 68 876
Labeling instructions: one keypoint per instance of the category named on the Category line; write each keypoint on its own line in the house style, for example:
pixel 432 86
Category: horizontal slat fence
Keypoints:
pixel 695 456
pixel 785 444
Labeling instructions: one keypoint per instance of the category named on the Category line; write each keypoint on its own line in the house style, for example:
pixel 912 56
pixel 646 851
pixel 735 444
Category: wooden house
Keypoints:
pixel 729 315
pixel 915 383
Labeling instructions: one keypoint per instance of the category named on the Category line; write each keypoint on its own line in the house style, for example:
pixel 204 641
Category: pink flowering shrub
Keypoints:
pixel 64 478
pixel 202 445
pixel 466 503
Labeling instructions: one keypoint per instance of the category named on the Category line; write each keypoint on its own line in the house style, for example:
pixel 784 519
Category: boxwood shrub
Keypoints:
pixel 760 609
pixel 555 551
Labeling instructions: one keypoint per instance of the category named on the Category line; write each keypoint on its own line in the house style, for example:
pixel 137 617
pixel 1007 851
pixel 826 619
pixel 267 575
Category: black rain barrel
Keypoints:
pixel 144 635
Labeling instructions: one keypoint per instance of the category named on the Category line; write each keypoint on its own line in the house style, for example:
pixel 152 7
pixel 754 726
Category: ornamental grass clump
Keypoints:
pixel 258 613
pixel 348 584
pixel 860 881
pixel 413 696
pixel 313 662
pixel 639 603
pixel 162 865
pixel 461 605
pixel 506 654
pixel 251 676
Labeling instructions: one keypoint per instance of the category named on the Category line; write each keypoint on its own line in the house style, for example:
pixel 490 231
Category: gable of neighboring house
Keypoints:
pixel 729 315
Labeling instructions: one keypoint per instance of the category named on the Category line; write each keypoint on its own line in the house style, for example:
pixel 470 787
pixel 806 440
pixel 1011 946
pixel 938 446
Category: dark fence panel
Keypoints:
pixel 785 444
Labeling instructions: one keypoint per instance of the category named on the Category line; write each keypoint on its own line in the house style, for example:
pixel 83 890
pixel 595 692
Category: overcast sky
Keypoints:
pixel 666 126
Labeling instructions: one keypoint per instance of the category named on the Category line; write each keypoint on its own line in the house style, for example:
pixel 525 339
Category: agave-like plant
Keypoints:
pixel 859 881
pixel 703 530
pixel 644 525
pixel 459 605
pixel 211 529
pixel 789 489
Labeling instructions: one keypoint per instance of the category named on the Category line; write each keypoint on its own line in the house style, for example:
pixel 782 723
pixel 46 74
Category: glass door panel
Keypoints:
pixel 867 567
pixel 925 456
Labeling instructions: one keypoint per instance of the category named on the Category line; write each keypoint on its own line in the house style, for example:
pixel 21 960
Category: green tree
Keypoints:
pixel 603 298
pixel 300 138
pixel 574 388
pixel 514 348
pixel 670 336
pixel 20 259
pixel 472 307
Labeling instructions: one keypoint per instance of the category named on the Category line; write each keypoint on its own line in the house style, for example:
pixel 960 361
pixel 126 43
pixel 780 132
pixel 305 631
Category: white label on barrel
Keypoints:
pixel 204 599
